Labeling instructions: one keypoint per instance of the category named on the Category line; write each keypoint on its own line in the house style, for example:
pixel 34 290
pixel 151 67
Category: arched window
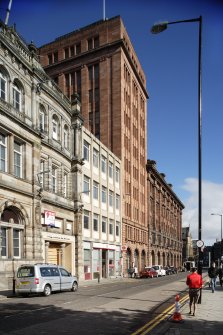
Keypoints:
pixel 3 86
pixel 11 235
pixel 42 119
pixel 55 128
pixel 66 137
pixel 17 97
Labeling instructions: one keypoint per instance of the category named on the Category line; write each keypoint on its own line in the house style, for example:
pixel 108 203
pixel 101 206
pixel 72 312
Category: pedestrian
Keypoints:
pixel 220 271
pixel 213 273
pixel 194 281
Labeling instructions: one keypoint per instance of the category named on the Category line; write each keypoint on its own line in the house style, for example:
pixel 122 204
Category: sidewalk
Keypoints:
pixel 208 319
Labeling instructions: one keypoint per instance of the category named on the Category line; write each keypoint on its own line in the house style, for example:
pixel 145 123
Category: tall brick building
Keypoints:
pixel 99 63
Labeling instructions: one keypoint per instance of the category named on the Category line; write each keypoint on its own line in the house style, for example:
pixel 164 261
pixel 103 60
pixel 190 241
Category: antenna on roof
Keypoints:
pixel 104 10
pixel 7 12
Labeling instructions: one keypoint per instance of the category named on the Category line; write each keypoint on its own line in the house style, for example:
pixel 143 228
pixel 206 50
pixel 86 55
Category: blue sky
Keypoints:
pixel 170 62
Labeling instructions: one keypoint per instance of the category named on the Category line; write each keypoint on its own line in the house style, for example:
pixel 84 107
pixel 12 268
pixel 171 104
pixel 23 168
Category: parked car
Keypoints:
pixel 168 270
pixel 173 269
pixel 160 270
pixel 44 278
pixel 148 272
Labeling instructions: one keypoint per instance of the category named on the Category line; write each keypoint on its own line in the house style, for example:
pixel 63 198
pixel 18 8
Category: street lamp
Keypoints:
pixel 158 28
pixel 221 234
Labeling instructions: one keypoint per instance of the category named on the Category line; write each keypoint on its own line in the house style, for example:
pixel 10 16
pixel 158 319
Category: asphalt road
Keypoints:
pixel 117 307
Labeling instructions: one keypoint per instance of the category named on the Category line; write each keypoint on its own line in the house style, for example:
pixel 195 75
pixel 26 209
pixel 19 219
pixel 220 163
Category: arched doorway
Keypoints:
pixel 143 259
pixel 153 258
pixel 136 258
pixel 128 259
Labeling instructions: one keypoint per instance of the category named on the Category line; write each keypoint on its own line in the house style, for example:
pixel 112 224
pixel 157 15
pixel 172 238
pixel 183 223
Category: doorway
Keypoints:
pixel 104 264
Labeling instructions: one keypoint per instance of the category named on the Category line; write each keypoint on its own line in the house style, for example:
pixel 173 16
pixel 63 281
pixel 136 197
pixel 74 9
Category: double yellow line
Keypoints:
pixel 154 322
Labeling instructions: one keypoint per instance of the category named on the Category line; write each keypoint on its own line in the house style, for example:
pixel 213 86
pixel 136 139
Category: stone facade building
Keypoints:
pixel 42 170
pixel 99 63
pixel 164 220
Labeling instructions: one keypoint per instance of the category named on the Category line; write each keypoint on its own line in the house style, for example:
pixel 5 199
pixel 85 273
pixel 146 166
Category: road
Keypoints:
pixel 118 307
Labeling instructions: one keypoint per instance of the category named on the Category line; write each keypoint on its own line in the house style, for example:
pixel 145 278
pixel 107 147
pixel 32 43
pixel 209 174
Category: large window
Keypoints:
pixel 95 226
pixel 86 219
pixel 111 227
pixel 104 195
pixel 103 164
pixel 86 185
pixel 117 175
pixel 16 243
pixel 95 190
pixel 17 159
pixel 104 224
pixel 4 233
pixel 54 179
pixel 86 151
pixel 111 196
pixel 3 86
pixel 16 94
pixel 55 122
pixel 95 158
pixel 3 153
pixel 110 170
pixel 65 137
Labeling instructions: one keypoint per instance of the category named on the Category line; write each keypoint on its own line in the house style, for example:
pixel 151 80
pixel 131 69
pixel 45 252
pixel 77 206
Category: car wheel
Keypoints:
pixel 74 287
pixel 47 290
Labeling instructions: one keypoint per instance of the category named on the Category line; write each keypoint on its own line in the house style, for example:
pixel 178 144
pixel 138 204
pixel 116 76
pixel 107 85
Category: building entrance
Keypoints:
pixel 104 264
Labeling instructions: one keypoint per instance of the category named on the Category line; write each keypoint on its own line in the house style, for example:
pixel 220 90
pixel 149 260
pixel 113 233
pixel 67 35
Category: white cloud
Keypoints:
pixel 212 202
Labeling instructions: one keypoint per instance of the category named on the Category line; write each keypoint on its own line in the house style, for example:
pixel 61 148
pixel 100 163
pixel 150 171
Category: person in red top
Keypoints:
pixel 194 281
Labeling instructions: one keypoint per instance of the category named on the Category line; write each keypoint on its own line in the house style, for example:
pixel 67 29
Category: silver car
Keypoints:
pixel 44 278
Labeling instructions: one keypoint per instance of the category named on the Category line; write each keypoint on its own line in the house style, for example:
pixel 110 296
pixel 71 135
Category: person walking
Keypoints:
pixel 194 281
pixel 213 273
pixel 220 272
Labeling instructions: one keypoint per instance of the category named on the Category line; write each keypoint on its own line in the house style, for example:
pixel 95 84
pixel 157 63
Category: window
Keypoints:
pixel 117 202
pixel 10 244
pixel 95 222
pixel 4 233
pixel 16 94
pixel 65 137
pixel 104 224
pixel 111 227
pixel 66 53
pixel 65 185
pixel 86 186
pixel 86 151
pixel 41 121
pixel 103 164
pixel 41 174
pixel 95 158
pixel 55 128
pixel 16 243
pixel 86 219
pixel 117 229
pixel 3 86
pixel 117 175
pixel 95 190
pixel 50 59
pixel 17 159
pixel 104 195
pixel 3 153
pixel 110 169
pixel 110 198
pixel 78 48
pixel 55 56
pixel 54 179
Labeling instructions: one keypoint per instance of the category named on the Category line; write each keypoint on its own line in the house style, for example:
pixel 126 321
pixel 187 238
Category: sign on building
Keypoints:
pixel 49 219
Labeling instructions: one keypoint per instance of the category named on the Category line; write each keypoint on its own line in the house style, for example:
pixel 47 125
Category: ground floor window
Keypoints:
pixel 10 242
pixel 87 264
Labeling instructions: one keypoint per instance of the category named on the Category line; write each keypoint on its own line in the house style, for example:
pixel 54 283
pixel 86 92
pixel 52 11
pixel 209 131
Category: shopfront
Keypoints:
pixel 101 260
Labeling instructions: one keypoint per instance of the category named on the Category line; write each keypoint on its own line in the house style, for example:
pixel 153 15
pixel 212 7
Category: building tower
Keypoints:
pixel 99 63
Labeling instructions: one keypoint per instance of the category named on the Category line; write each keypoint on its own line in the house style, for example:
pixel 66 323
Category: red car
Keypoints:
pixel 148 273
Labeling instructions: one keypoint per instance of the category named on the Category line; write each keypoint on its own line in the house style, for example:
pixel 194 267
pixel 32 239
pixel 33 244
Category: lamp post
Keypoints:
pixel 221 235
pixel 158 28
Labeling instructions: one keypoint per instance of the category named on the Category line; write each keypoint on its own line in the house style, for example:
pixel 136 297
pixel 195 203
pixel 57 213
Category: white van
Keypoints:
pixel 159 270
pixel 43 278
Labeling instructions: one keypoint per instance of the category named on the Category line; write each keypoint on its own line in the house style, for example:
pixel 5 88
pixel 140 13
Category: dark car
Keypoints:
pixel 148 272
pixel 168 270
pixel 173 269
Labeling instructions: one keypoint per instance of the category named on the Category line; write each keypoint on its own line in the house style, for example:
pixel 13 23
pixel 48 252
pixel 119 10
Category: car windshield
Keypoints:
pixel 156 268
